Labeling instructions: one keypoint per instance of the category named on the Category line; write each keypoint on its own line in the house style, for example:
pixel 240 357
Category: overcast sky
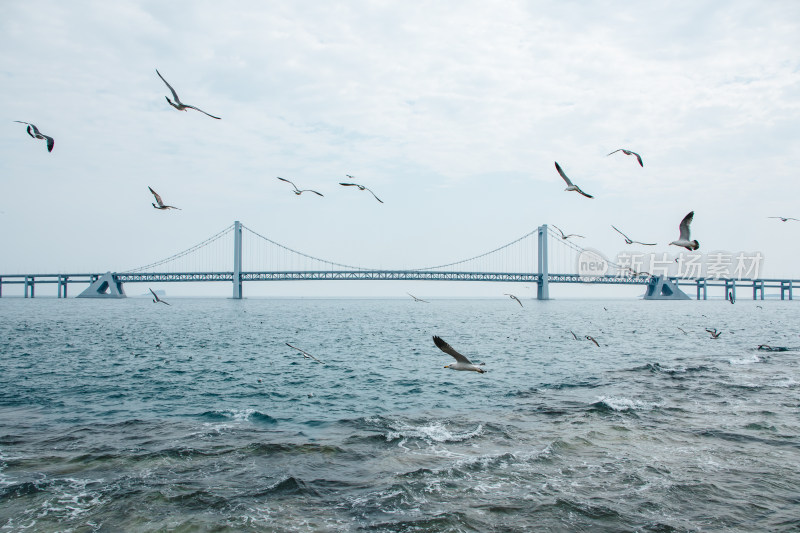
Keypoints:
pixel 453 112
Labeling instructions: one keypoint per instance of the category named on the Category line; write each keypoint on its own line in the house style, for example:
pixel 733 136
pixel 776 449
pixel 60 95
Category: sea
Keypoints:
pixel 127 415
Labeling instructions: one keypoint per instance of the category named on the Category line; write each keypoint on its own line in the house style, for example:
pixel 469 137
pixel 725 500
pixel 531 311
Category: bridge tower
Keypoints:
pixel 237 260
pixel 543 287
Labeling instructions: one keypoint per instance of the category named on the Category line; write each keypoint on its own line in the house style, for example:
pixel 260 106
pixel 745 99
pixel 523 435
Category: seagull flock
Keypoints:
pixel 462 363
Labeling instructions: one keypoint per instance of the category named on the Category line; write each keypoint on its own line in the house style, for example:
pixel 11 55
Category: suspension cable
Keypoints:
pixel 185 252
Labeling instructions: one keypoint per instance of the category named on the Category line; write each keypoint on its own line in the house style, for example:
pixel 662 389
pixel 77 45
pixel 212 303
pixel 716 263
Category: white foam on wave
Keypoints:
pixel 435 432
pixel 626 404
pixel 749 360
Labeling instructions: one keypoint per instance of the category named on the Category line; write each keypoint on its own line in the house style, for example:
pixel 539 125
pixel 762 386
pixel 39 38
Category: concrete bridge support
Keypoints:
pixel 702 285
pixel 758 286
pixel 543 285
pixel 237 260
pixel 29 285
pixel 730 289
pixel 62 286
pixel 786 287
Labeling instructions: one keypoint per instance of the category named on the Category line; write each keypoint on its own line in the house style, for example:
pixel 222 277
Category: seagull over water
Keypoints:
pixel 571 186
pixel 514 298
pixel 629 152
pixel 462 363
pixel 306 355
pixel 160 203
pixel 418 299
pixel 180 106
pixel 630 241
pixel 360 187
pixel 156 299
pixel 297 191
pixel 589 337
pixel 683 240
pixel 34 132
pixel 783 219
pixel 714 333
pixel 564 236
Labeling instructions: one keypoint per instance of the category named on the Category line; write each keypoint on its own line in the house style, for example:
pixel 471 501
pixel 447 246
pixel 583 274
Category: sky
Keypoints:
pixel 453 112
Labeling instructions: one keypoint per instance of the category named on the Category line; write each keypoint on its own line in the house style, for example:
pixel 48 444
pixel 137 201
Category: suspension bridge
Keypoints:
pixel 540 256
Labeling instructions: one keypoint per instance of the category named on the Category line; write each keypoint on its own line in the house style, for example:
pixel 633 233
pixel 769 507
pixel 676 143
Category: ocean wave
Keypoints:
pixel 748 360
pixel 622 404
pixel 238 415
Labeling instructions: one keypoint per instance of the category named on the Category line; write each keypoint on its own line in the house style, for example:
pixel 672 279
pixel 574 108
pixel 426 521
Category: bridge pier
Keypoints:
pixel 786 286
pixel 29 284
pixel 237 260
pixel 702 285
pixel 758 286
pixel 1 287
pixel 730 288
pixel 543 285
pixel 62 286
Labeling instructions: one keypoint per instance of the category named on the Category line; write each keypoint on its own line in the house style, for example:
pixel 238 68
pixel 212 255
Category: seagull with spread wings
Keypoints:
pixel 571 186
pixel 565 236
pixel 629 152
pixel 34 132
pixel 177 104
pixel 714 333
pixel 418 299
pixel 156 299
pixel 783 219
pixel 462 363
pixel 360 187
pixel 160 203
pixel 297 191
pixel 306 355
pixel 683 240
pixel 628 240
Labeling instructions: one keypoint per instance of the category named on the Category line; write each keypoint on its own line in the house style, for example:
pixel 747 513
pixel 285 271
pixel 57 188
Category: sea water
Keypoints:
pixel 133 416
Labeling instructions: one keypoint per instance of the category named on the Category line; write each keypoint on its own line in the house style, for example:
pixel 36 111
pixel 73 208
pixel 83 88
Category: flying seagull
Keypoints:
pixel 573 335
pixel 629 152
pixel 571 186
pixel 34 132
pixel 731 298
pixel 160 203
pixel 417 299
pixel 514 298
pixel 714 333
pixel 180 106
pixel 783 219
pixel 360 187
pixel 462 363
pixel 306 355
pixel 683 331
pixel 565 237
pixel 683 240
pixel 589 337
pixel 297 191
pixel 156 299
pixel 628 240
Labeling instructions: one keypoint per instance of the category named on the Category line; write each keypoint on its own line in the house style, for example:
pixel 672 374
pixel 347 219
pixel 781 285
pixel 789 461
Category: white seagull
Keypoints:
pixel 360 187
pixel 571 187
pixel 564 236
pixel 156 299
pixel 783 219
pixel 418 299
pixel 180 106
pixel 629 152
pixel 297 191
pixel 160 203
pixel 629 240
pixel 514 298
pixel 462 363
pixel 34 132
pixel 683 240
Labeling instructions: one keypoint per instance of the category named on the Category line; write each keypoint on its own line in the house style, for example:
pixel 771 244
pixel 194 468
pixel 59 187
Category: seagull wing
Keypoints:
pixel 583 193
pixel 638 158
pixel 287 181
pixel 559 230
pixel 645 243
pixel 158 198
pixel 203 112
pixel 350 184
pixel 373 194
pixel 446 348
pixel 618 231
pixel 174 94
pixel 28 129
pixel 684 226
pixel 50 142
pixel 315 192
pixel 561 172
pixel 614 152
pixel 593 340
pixel 154 294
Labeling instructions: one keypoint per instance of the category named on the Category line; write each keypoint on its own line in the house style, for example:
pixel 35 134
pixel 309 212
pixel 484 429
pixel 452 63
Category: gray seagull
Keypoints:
pixel 628 240
pixel 177 104
pixel 462 363
pixel 297 191
pixel 160 203
pixel 565 236
pixel 418 299
pixel 629 152
pixel 34 132
pixel 714 333
pixel 783 219
pixel 156 299
pixel 514 298
pixel 571 186
pixel 306 355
